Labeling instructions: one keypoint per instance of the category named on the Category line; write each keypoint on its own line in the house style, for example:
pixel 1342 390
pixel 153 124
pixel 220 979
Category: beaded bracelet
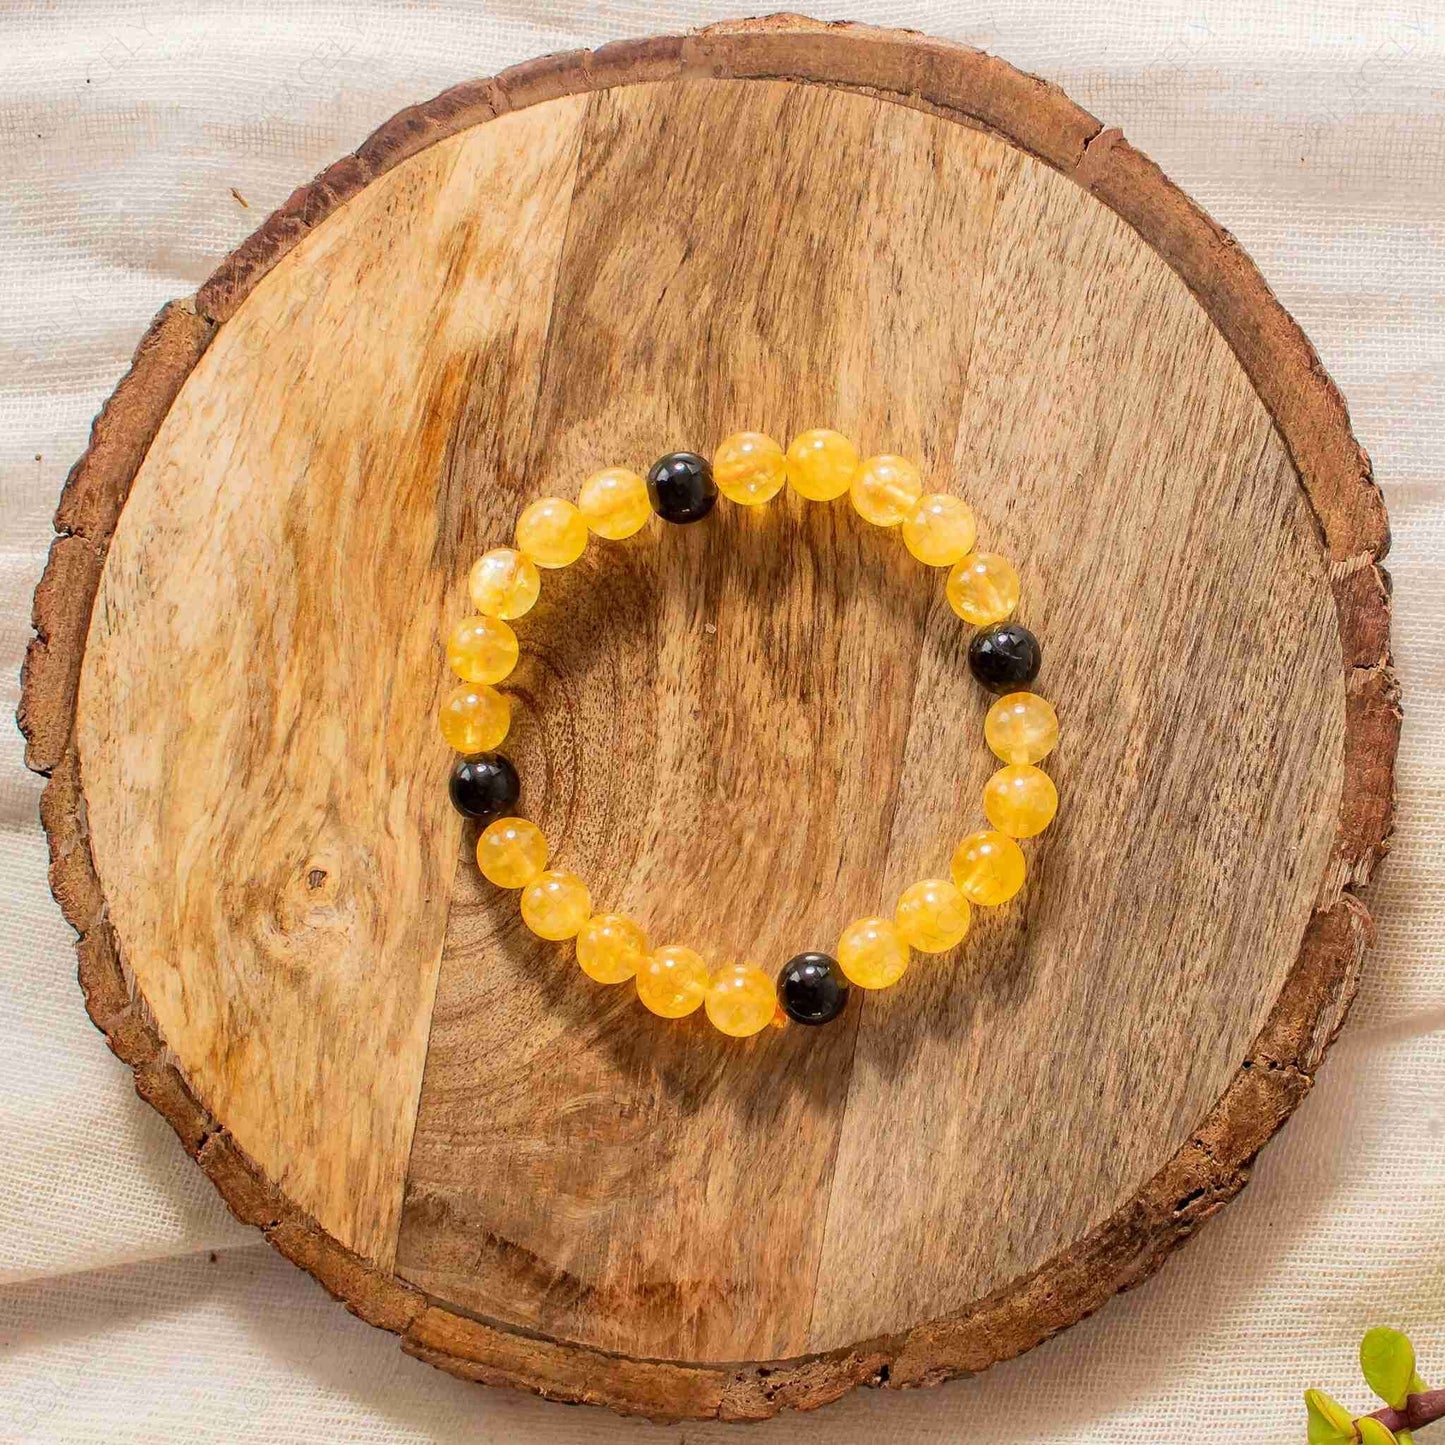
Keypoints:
pixel 749 468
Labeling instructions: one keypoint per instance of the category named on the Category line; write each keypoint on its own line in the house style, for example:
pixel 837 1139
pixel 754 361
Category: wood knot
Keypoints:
pixel 310 897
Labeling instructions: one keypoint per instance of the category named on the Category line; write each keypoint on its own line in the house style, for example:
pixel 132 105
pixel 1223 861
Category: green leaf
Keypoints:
pixel 1329 1422
pixel 1404 1437
pixel 1417 1385
pixel 1374 1433
pixel 1388 1360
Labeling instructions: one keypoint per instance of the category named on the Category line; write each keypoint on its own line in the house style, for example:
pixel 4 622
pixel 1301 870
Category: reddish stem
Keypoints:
pixel 1421 1409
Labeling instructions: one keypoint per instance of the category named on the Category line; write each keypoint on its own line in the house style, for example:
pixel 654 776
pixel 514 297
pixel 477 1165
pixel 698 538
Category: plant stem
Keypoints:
pixel 1419 1410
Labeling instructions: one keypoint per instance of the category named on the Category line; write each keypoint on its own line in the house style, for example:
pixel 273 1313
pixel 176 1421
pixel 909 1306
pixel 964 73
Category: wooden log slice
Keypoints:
pixel 744 733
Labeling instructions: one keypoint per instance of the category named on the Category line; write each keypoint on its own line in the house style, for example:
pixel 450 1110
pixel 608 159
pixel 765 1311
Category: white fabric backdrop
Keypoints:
pixel 131 1306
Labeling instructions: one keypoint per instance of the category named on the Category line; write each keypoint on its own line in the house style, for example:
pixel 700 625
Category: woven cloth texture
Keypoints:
pixel 139 143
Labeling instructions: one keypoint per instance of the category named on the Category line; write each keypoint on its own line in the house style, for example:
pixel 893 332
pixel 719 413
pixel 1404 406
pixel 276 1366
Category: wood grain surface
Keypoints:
pixel 254 723
pixel 744 733
pixel 749 733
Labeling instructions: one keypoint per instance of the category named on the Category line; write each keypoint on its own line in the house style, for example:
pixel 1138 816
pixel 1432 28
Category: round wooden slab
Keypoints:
pixel 744 733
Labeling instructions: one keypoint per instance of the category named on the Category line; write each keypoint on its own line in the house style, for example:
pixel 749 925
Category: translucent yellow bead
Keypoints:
pixel 552 532
pixel 556 905
pixel 821 464
pixel 886 489
pixel 871 953
pixel 988 868
pixel 511 852
pixel 932 916
pixel 614 503
pixel 1020 800
pixel 504 583
pixel 748 467
pixel 1021 728
pixel 741 1000
pixel 482 649
pixel 610 947
pixel 672 982
pixel 941 530
pixel 475 718
pixel 983 588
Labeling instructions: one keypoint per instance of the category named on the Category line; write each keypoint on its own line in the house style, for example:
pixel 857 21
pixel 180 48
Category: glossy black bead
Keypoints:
pixel 484 786
pixel 1005 657
pixel 681 487
pixel 812 989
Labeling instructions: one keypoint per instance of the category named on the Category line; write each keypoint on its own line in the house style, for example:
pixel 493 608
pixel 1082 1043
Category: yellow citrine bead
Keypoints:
pixel 983 588
pixel 482 649
pixel 511 852
pixel 871 953
pixel 1020 800
pixel 886 489
pixel 748 468
pixel 932 916
pixel 988 868
pixel 475 718
pixel 741 1000
pixel 941 530
pixel 552 532
pixel 614 503
pixel 610 947
pixel 1021 728
pixel 821 464
pixel 556 905
pixel 672 982
pixel 504 583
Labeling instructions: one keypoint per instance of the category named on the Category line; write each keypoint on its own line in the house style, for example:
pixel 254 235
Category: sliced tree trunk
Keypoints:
pixel 745 733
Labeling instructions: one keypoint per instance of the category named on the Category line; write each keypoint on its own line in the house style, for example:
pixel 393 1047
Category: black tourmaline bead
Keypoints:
pixel 484 786
pixel 681 487
pixel 1005 657
pixel 812 989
